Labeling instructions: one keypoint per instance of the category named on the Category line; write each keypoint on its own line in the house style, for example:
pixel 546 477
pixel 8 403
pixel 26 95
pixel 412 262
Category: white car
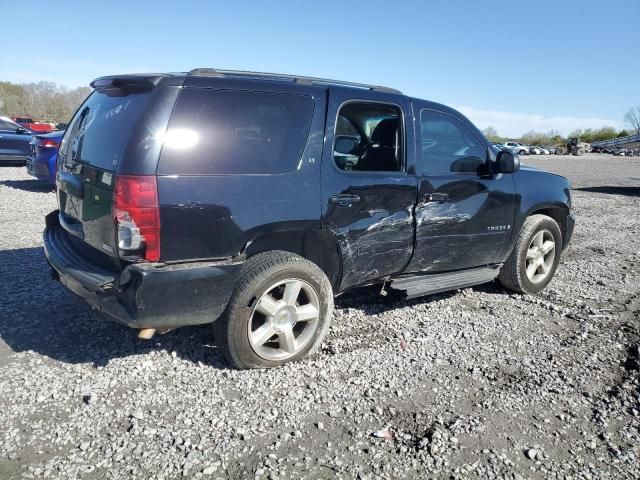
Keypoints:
pixel 535 150
pixel 517 147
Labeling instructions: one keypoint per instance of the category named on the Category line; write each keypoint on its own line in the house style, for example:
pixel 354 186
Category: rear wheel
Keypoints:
pixel 579 152
pixel 535 256
pixel 279 312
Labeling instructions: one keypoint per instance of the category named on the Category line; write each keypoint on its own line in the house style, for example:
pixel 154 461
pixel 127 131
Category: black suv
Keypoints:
pixel 250 200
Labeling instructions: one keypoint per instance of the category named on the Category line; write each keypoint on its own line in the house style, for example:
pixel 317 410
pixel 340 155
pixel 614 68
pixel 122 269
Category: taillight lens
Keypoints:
pixel 48 144
pixel 137 215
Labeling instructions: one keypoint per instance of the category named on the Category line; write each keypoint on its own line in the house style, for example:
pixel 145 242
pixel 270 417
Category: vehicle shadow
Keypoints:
pixel 628 191
pixel 370 301
pixel 28 185
pixel 39 315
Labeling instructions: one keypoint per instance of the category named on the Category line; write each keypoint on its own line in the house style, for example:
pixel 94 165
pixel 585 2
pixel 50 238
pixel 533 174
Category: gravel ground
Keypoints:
pixel 478 383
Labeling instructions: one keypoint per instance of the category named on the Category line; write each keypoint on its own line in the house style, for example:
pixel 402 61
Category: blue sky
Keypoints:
pixel 514 65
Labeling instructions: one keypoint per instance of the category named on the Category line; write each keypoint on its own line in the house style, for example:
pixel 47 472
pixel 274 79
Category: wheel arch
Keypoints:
pixel 314 245
pixel 556 211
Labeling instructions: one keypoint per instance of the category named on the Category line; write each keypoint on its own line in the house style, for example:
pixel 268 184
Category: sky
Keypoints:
pixel 516 66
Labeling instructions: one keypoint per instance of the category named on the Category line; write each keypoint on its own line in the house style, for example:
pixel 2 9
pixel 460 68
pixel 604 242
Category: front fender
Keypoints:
pixel 541 192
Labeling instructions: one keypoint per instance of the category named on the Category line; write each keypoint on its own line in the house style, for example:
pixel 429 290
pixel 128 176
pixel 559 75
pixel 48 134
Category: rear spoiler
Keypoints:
pixel 121 83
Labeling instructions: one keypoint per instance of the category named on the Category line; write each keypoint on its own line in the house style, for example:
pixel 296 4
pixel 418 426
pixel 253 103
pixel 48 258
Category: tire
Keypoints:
pixel 514 274
pixel 263 279
pixel 522 152
pixel 579 152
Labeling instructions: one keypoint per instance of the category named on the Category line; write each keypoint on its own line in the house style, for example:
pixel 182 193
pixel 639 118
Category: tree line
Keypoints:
pixel 589 135
pixel 42 101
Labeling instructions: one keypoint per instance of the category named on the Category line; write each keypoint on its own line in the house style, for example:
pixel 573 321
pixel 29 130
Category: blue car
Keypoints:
pixel 14 141
pixel 43 156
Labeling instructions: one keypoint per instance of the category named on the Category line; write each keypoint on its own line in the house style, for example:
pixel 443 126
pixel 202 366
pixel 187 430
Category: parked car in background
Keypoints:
pixel 29 123
pixel 503 147
pixel 535 150
pixel 551 149
pixel 14 141
pixel 61 126
pixel 517 147
pixel 43 156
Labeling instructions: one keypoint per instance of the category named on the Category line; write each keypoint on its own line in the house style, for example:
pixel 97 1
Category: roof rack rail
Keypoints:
pixel 214 72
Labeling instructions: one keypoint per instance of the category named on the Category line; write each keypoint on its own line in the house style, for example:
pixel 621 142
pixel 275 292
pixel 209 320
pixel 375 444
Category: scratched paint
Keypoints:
pixel 360 243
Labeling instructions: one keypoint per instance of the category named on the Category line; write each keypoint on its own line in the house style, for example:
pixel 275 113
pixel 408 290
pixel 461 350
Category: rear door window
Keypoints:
pixel 219 132
pixel 369 137
pixel 101 127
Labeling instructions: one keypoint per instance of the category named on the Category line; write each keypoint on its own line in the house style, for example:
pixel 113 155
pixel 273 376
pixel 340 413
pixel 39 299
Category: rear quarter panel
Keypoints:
pixel 218 216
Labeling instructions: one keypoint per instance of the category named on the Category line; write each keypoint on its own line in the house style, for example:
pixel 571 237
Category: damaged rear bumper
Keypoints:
pixel 144 295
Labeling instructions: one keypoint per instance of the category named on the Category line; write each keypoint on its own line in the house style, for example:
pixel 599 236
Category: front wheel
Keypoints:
pixel 279 311
pixel 535 256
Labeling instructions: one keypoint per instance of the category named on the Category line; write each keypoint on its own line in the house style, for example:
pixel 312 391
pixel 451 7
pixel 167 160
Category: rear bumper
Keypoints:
pixel 40 168
pixel 142 295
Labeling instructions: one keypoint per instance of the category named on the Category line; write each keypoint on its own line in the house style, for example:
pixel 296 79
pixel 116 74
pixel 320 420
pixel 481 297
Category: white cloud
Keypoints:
pixel 509 124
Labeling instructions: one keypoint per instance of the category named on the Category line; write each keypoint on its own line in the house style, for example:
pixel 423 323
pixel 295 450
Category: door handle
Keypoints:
pixel 344 200
pixel 435 197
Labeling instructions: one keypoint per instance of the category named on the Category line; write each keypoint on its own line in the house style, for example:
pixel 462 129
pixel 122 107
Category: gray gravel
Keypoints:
pixel 478 383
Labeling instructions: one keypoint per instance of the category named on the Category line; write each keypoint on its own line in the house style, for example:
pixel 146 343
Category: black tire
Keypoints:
pixel 513 273
pixel 258 274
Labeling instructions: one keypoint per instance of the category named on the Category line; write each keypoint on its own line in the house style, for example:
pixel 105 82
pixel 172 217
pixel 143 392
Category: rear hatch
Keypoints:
pixel 114 136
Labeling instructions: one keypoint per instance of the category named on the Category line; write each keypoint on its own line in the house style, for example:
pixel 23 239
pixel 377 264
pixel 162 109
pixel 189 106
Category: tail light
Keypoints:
pixel 48 144
pixel 137 215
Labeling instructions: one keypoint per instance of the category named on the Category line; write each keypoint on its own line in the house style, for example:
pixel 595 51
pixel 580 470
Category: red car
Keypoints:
pixel 31 125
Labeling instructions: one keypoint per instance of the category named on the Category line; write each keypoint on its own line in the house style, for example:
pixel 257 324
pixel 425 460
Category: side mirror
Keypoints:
pixel 345 144
pixel 21 130
pixel 508 162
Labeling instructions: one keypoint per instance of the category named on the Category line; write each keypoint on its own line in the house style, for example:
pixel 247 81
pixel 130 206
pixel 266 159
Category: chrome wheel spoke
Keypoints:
pixel 292 292
pixel 547 246
pixel 531 253
pixel 537 239
pixel 307 312
pixel 288 341
pixel 531 270
pixel 263 334
pixel 544 268
pixel 267 305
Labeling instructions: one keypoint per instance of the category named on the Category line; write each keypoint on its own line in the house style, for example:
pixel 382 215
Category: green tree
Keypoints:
pixel 42 101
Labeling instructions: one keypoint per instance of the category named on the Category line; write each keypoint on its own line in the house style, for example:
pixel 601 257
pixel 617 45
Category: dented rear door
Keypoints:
pixel 369 213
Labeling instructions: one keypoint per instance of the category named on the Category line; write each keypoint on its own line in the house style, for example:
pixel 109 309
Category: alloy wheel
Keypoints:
pixel 540 256
pixel 284 319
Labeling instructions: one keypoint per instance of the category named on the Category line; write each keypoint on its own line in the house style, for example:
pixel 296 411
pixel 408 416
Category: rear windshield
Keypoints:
pixel 218 132
pixel 100 128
